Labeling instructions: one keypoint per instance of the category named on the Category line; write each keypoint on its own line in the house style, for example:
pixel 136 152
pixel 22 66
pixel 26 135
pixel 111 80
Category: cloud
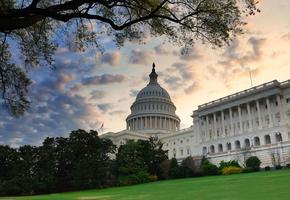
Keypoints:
pixel 133 92
pixel 191 88
pixel 111 58
pixel 140 57
pixel 97 94
pixel 188 54
pixel 161 50
pixel 103 79
pixel 185 70
pixel 235 56
pixel 104 107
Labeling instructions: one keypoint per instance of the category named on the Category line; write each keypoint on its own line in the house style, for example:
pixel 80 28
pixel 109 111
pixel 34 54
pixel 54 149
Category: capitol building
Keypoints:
pixel 253 122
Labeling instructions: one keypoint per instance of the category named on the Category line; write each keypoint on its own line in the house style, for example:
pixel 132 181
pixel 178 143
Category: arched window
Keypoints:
pixel 267 139
pixel 181 152
pixel 278 137
pixel 229 146
pixel 220 148
pixel 174 153
pixel 256 141
pixel 247 143
pixel 212 149
pixel 204 150
pixel 237 144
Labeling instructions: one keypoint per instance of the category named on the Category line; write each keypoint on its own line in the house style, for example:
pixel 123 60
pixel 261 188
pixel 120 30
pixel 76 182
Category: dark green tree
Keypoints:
pixel 35 27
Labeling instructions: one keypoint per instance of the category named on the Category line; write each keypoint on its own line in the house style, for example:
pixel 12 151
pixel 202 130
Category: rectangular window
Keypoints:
pixel 288 100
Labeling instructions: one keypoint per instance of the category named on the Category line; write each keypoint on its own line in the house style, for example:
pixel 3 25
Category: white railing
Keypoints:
pixel 242 93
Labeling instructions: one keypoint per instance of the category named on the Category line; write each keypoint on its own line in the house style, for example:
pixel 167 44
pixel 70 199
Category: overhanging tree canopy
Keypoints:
pixel 34 25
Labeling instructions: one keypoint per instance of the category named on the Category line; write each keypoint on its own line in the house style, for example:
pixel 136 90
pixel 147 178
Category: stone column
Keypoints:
pixel 282 115
pixel 259 114
pixel 146 123
pixel 249 117
pixel 240 119
pixel 269 112
pixel 150 122
pixel 231 122
pixel 214 126
pixel 155 122
pixel 160 122
pixel 223 123
pixel 207 128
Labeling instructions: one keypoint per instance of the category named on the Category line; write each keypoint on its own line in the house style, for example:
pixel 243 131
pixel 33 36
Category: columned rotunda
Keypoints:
pixel 153 109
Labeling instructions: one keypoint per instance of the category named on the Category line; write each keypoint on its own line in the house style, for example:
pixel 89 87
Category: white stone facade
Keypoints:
pixel 251 122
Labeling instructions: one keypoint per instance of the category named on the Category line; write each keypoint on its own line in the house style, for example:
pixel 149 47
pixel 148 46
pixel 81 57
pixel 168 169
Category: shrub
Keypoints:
pixel 174 171
pixel 164 169
pixel 288 166
pixel 187 168
pixel 278 167
pixel 253 162
pixel 208 168
pixel 231 170
pixel 267 168
pixel 152 178
pixel 248 170
pixel 140 177
pixel 230 163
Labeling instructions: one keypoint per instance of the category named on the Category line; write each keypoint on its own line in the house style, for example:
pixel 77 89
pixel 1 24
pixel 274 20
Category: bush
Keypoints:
pixel 253 162
pixel 208 168
pixel 231 170
pixel 288 166
pixel 132 179
pixel 187 168
pixel 231 163
pixel 267 168
pixel 174 171
pixel 152 178
pixel 278 167
pixel 248 170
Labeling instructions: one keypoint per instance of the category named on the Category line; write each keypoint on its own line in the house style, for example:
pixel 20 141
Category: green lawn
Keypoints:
pixel 261 185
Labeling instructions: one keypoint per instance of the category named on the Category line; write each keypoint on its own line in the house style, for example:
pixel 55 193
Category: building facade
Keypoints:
pixel 253 122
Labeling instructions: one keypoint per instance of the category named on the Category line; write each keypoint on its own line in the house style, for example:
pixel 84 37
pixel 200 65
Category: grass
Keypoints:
pixel 260 185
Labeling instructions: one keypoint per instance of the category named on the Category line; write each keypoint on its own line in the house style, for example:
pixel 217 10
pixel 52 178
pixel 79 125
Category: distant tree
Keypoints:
pixel 188 167
pixel 135 159
pixel 174 171
pixel 37 27
pixel 208 168
pixel 81 161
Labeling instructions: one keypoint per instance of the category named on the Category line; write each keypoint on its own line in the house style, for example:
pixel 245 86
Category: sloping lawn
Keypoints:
pixel 261 185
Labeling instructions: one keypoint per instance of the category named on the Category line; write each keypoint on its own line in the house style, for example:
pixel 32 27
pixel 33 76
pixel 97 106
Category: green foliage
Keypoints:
pixel 59 164
pixel 231 170
pixel 288 166
pixel 132 179
pixel 267 168
pixel 141 155
pixel 248 170
pixel 188 167
pixel 278 167
pixel 208 168
pixel 253 162
pixel 230 163
pixel 174 171
pixel 164 169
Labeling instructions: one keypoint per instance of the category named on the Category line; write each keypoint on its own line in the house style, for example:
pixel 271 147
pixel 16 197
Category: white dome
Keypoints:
pixel 153 90
pixel 153 111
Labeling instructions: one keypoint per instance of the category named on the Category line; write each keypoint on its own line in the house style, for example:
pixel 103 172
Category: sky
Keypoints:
pixel 88 89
